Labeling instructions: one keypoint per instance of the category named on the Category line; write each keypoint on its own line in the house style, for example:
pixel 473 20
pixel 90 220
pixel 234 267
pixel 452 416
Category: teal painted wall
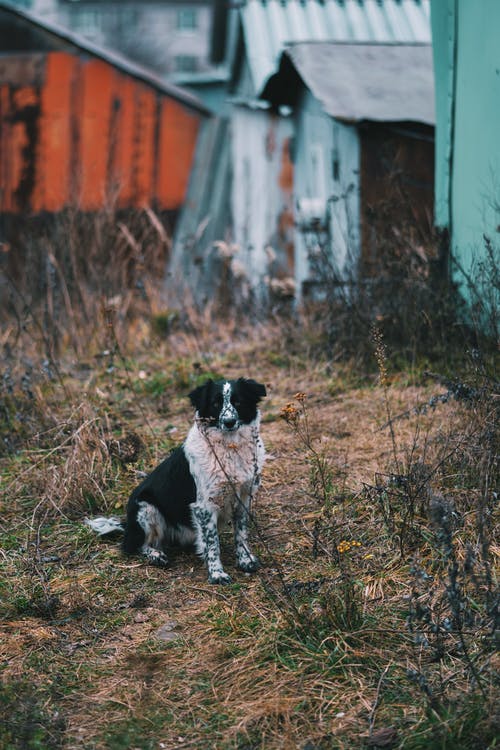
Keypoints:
pixel 466 42
pixel 443 36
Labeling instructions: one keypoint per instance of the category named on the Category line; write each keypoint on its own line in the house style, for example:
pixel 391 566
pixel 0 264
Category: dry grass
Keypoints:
pixel 102 652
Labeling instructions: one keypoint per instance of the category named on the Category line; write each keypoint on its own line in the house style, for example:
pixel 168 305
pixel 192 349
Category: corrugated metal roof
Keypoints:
pixel 359 81
pixel 268 25
pixel 124 64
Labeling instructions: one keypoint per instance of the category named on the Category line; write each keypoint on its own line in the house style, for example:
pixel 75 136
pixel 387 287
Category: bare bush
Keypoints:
pixel 63 275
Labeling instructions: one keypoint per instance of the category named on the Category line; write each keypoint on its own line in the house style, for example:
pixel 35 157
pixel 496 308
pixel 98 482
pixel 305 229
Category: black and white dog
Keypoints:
pixel 212 477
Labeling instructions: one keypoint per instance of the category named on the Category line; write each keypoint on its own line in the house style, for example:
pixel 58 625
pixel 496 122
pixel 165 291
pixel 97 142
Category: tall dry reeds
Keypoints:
pixel 62 276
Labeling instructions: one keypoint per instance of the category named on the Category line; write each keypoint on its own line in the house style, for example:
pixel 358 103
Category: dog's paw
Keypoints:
pixel 156 557
pixel 219 577
pixel 249 565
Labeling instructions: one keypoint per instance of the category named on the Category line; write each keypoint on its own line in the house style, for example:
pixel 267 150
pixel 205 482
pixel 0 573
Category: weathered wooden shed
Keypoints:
pixel 260 211
pixel 84 127
pixel 363 148
pixel 466 42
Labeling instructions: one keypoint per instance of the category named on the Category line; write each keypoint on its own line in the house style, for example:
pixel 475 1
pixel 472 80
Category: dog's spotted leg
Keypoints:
pixel 207 542
pixel 245 560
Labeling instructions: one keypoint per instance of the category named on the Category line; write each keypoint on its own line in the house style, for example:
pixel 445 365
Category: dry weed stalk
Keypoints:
pixel 340 599
pixel 321 476
pixel 453 614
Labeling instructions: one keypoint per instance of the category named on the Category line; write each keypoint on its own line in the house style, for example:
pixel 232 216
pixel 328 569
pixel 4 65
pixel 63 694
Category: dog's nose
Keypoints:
pixel 229 423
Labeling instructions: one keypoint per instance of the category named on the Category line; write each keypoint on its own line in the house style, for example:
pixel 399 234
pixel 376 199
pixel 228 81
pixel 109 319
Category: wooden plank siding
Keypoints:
pixel 76 131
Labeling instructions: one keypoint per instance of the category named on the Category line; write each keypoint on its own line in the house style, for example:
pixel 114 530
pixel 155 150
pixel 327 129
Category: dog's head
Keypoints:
pixel 227 404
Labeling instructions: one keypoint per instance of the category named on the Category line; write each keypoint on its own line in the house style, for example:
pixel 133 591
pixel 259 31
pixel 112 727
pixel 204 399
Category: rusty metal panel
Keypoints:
pixel 96 83
pixel 52 153
pixel 74 130
pixel 207 214
pixel 178 131
pixel 397 186
pixel 122 139
pixel 144 145
pixel 22 70
pixel 262 196
pixel 19 113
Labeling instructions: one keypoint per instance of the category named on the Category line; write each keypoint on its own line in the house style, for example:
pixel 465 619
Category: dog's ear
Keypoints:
pixel 255 390
pixel 199 396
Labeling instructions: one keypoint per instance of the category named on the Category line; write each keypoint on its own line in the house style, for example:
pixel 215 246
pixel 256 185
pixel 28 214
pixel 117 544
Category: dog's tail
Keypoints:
pixel 104 526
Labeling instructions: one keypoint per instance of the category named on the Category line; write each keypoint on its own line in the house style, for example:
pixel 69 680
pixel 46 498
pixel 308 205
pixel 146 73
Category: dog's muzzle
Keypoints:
pixel 228 418
pixel 229 424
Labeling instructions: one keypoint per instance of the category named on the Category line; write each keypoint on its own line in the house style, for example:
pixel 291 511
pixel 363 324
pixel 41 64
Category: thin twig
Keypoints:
pixel 48 347
pixel 371 717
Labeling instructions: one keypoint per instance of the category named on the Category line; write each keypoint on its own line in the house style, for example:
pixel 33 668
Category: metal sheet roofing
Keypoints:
pixel 268 25
pixel 381 82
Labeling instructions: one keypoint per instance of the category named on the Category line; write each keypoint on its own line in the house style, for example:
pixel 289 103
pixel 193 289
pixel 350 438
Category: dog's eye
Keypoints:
pixel 217 402
pixel 236 402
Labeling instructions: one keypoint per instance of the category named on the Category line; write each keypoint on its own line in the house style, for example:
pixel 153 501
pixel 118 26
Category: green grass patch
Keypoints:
pixel 30 721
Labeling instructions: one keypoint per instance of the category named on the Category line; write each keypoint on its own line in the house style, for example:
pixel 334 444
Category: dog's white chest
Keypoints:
pixel 223 465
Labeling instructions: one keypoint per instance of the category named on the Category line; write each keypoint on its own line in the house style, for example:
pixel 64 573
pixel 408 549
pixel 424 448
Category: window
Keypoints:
pixel 86 20
pixel 186 64
pixel 127 18
pixel 187 19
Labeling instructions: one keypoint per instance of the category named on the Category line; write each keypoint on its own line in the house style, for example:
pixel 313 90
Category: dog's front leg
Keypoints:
pixel 245 560
pixel 207 541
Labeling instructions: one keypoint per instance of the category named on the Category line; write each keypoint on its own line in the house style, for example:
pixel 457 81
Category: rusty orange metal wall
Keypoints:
pixel 96 87
pixel 16 137
pixel 88 135
pixel 145 152
pixel 52 152
pixel 178 132
pixel 122 177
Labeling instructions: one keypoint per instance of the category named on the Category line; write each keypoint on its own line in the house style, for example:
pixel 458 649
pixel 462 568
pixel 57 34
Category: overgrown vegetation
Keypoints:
pixel 374 620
